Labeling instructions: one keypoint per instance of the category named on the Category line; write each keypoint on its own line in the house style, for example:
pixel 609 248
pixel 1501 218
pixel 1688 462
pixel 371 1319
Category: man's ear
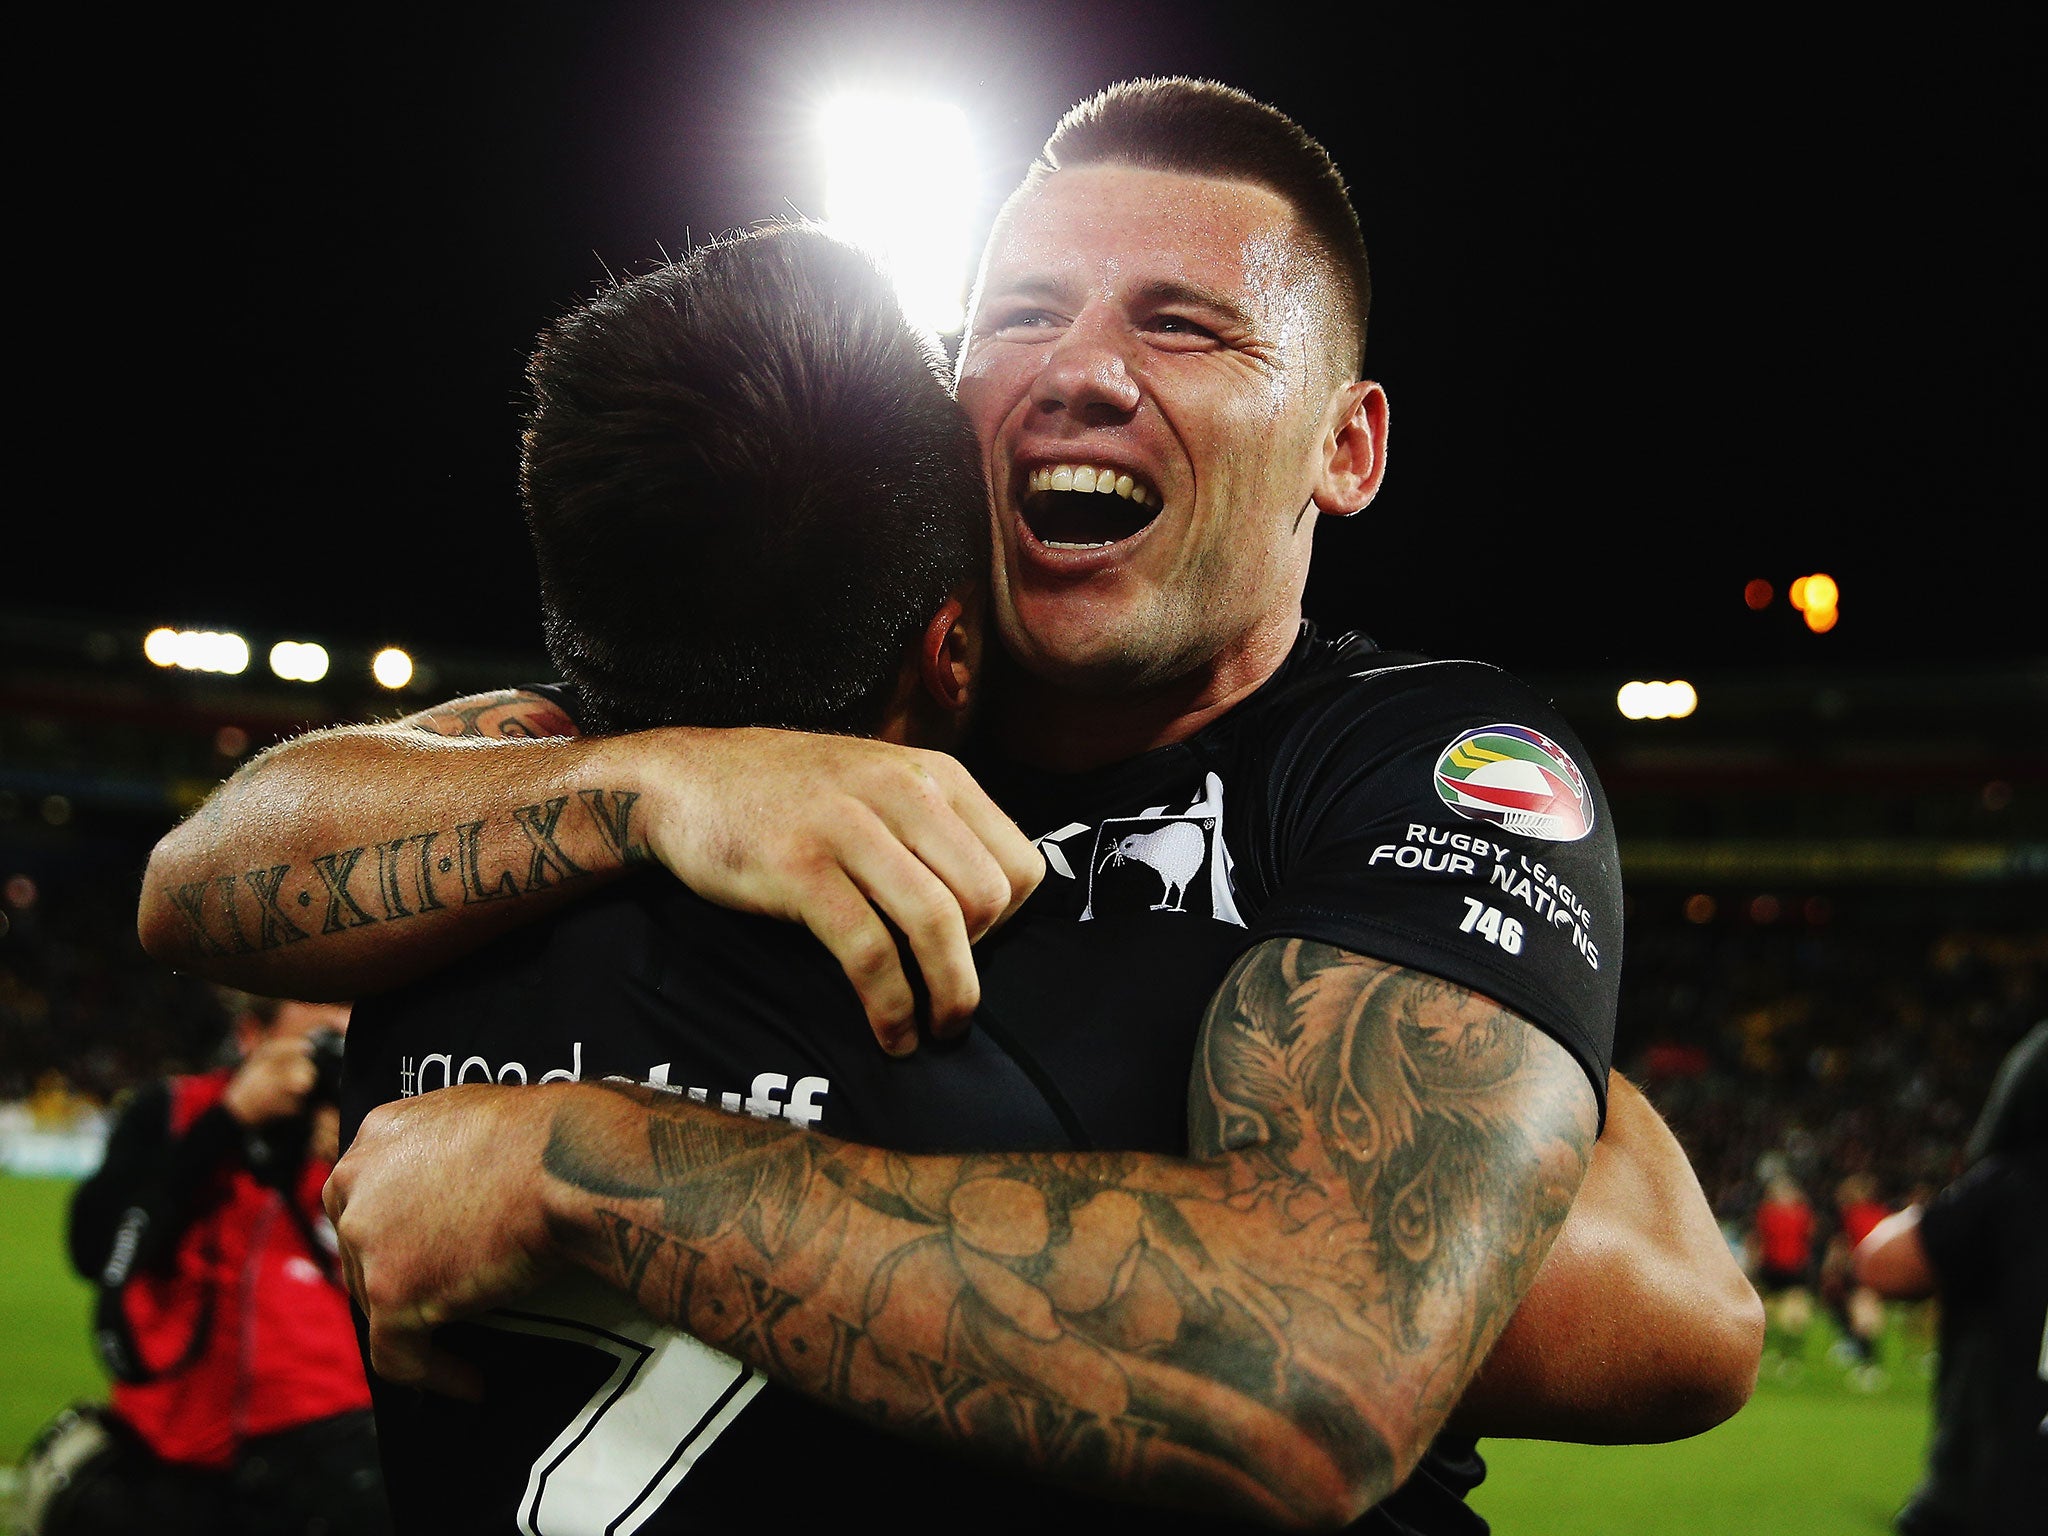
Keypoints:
pixel 949 655
pixel 1354 451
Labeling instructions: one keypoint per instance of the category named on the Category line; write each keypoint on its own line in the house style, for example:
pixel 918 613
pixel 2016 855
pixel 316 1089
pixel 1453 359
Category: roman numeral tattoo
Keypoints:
pixel 491 859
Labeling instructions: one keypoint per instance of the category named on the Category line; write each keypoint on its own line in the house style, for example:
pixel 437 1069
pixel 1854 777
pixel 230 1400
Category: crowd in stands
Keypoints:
pixel 1821 1051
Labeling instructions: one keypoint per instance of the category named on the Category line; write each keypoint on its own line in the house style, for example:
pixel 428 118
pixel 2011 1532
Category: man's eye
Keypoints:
pixel 1024 320
pixel 1181 325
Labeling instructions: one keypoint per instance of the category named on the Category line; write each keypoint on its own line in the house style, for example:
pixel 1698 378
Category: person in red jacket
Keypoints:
pixel 237 1385
pixel 1858 1311
pixel 1781 1258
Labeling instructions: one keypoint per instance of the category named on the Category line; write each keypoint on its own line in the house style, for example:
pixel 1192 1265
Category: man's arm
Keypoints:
pixel 1277 1324
pixel 352 859
pixel 147 1169
pixel 1641 1326
pixel 1892 1260
pixel 151 1183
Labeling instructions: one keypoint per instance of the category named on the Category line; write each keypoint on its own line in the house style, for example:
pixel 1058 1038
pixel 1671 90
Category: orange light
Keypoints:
pixel 1821 620
pixel 1796 593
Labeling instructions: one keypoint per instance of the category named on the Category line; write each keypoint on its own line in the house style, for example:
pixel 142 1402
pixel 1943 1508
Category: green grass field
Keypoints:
pixel 46 1357
pixel 1807 1457
pixel 1810 1456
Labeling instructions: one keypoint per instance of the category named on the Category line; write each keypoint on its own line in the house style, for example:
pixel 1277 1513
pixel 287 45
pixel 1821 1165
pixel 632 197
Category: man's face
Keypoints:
pixel 298 1019
pixel 1163 334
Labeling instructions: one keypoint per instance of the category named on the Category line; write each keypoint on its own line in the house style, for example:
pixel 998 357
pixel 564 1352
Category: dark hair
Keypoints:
pixel 2015 1113
pixel 1206 128
pixel 748 489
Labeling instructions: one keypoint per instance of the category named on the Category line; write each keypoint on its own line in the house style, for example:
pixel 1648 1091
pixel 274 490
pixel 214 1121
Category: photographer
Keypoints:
pixel 238 1401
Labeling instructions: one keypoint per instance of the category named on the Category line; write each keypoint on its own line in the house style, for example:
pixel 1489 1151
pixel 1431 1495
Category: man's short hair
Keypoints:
pixel 748 487
pixel 1205 128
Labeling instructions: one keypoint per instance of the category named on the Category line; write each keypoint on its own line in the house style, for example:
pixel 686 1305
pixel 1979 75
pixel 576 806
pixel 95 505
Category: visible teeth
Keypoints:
pixel 1063 544
pixel 1090 477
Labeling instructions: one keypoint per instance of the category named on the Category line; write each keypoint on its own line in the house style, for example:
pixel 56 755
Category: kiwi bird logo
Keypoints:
pixel 1516 779
pixel 1174 852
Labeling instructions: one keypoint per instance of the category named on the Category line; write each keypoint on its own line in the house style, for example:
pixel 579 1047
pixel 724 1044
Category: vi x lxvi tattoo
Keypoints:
pixel 1380 1163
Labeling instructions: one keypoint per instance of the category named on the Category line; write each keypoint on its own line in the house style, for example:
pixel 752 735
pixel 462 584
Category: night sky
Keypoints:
pixel 1731 289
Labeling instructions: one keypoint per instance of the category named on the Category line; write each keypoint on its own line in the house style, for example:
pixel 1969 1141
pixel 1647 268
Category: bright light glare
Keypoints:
pixel 196 650
pixel 1656 701
pixel 298 661
pixel 900 180
pixel 391 667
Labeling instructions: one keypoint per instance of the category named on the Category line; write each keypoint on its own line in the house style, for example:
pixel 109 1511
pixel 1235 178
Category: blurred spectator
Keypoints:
pixel 1781 1258
pixel 1981 1247
pixel 238 1392
pixel 1858 1310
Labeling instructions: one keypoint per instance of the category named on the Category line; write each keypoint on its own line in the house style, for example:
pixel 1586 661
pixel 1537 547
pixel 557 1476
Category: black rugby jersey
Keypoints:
pixel 1438 815
pixel 1986 1239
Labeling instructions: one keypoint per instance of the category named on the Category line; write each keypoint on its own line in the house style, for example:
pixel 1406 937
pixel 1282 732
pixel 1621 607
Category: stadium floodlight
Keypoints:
pixel 298 661
pixel 391 667
pixel 1657 701
pixel 900 180
pixel 197 650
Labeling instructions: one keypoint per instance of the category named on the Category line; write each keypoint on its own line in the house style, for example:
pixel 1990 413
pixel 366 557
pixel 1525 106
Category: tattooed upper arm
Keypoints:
pixel 504 713
pixel 1434 1137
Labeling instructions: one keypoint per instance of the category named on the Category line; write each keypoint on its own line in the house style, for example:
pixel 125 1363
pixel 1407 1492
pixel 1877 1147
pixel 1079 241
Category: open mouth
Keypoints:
pixel 1086 506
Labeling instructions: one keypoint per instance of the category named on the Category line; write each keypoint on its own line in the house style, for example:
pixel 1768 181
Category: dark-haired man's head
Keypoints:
pixel 752 498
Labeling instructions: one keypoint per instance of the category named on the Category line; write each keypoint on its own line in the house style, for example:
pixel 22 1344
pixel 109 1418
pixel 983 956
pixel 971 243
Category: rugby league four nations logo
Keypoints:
pixel 1518 780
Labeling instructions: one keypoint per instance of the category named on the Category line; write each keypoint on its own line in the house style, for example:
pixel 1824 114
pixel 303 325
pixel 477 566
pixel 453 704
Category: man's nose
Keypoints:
pixel 1087 371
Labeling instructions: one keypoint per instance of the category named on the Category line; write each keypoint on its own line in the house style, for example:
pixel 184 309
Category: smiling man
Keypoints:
pixel 1186 345
pixel 1322 966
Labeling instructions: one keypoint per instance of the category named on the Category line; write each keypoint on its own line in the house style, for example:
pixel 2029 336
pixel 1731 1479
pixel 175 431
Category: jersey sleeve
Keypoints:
pixel 147 1168
pixel 1444 817
pixel 1962 1227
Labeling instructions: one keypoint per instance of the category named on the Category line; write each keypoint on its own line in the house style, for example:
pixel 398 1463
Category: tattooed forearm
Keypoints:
pixel 354 858
pixel 493 858
pixel 1278 1325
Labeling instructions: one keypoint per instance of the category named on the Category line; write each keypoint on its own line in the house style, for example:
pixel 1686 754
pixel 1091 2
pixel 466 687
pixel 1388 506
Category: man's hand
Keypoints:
pixel 437 1209
pixel 857 840
pixel 272 1081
